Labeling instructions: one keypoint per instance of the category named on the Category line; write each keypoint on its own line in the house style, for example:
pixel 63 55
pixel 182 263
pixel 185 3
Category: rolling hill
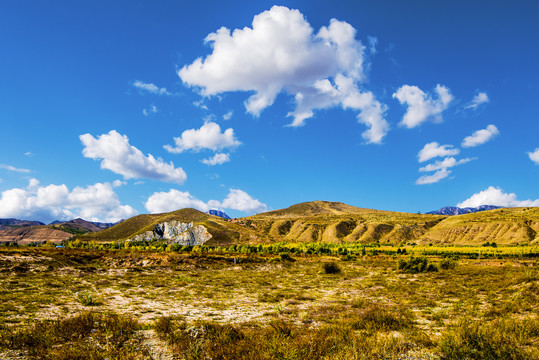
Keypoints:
pixel 333 222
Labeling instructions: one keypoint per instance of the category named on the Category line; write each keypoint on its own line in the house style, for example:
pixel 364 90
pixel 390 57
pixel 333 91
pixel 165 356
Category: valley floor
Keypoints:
pixel 64 303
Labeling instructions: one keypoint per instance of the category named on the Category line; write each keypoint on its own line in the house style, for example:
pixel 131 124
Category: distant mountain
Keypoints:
pixel 17 222
pixel 219 213
pixel 453 210
pixel 78 226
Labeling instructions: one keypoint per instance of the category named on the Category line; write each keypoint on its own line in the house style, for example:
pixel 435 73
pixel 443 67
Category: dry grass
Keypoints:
pixel 245 306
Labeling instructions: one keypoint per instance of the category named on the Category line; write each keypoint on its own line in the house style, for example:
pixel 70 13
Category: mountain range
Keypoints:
pixel 316 221
pixel 453 210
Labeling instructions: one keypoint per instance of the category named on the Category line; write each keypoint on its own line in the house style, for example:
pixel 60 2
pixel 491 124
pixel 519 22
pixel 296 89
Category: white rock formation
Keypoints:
pixel 176 232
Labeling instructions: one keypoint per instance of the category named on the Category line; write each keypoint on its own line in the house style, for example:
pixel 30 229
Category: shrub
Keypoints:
pixel 416 265
pixel 86 298
pixel 331 268
pixel 448 263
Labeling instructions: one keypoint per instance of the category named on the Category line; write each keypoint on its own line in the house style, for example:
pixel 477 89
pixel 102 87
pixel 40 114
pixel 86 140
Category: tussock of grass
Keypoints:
pixel 503 339
pixel 85 336
pixel 331 268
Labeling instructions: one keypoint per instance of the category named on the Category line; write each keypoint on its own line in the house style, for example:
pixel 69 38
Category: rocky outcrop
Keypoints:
pixel 176 232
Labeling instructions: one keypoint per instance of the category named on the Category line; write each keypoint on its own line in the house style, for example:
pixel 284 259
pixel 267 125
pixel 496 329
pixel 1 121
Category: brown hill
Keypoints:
pixel 503 226
pixel 32 234
pixel 223 232
pixel 333 222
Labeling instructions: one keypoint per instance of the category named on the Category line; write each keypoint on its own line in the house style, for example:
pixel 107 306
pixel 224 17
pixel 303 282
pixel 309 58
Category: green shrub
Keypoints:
pixel 417 265
pixel 448 263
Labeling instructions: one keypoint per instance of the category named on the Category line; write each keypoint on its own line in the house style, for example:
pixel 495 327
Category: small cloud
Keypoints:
pixel 200 104
pixel 495 196
pixel 534 156
pixel 118 183
pixel 434 178
pixel 152 110
pixel 373 41
pixel 421 106
pixel 29 154
pixel 150 88
pixel 480 136
pixel 228 115
pixel 209 136
pixel 217 159
pixel 14 169
pixel 480 98
pixel 433 149
pixel 446 163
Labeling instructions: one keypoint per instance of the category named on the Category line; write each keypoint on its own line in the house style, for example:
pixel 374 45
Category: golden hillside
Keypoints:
pixel 223 232
pixel 334 222
pixel 503 226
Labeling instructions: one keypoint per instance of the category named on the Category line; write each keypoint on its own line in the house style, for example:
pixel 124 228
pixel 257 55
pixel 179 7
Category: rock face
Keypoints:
pixel 176 232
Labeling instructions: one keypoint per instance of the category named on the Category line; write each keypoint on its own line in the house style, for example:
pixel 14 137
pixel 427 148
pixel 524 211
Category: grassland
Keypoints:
pixel 132 304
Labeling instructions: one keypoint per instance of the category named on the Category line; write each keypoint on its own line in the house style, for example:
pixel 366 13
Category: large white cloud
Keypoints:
pixel 421 106
pixel 96 202
pixel 495 196
pixel 172 200
pixel 122 158
pixel 209 136
pixel 160 202
pixel 239 200
pixel 433 149
pixel 281 53
pixel 434 178
pixel 480 136
pixel 534 156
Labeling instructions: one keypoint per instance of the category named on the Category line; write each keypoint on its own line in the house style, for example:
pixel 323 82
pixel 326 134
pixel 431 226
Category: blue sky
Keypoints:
pixel 111 109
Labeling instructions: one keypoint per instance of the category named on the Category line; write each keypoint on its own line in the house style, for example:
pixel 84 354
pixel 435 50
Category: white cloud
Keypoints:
pixel 228 115
pixel 152 110
pixel 12 168
pixel 534 156
pixel 209 136
pixel 433 149
pixel 151 88
pixel 495 196
pixel 29 154
pixel 434 178
pixel 172 200
pixel 217 159
pixel 480 136
pixel 239 200
pixel 281 53
pixel 446 163
pixel 96 202
pixel 122 158
pixel 422 106
pixel 118 183
pixel 481 98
